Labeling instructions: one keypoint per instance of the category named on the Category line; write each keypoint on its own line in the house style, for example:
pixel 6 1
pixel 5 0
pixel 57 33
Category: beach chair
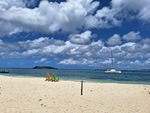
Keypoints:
pixel 48 78
pixel 54 78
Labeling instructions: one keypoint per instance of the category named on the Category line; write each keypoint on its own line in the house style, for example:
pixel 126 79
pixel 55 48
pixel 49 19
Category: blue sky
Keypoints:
pixel 75 34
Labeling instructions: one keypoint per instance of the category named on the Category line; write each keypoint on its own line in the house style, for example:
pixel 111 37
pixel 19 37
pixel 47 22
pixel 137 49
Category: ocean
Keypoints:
pixel 84 75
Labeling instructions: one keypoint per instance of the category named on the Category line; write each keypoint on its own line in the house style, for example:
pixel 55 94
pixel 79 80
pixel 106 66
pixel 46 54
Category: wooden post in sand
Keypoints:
pixel 81 87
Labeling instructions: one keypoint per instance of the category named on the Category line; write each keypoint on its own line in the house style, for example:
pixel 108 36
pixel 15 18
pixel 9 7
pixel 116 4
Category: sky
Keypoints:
pixel 75 34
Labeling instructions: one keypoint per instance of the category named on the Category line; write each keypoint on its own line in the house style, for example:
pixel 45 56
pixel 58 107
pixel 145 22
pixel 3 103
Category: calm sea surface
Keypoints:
pixel 86 75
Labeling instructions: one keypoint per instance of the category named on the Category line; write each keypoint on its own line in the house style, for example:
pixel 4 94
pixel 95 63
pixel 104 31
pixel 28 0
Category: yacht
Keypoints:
pixel 112 70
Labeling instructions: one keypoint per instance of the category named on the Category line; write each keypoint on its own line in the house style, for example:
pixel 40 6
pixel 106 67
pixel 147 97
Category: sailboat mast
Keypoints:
pixel 112 61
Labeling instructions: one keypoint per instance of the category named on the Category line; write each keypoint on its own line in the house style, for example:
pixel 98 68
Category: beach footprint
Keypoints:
pixel 40 100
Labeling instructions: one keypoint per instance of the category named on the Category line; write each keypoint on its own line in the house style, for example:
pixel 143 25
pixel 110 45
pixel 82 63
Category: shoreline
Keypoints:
pixel 35 95
pixel 88 81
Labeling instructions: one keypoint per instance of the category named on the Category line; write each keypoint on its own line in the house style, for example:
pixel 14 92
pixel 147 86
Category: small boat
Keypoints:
pixel 4 71
pixel 112 70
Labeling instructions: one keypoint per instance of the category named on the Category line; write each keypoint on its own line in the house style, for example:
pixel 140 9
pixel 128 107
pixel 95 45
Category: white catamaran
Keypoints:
pixel 112 70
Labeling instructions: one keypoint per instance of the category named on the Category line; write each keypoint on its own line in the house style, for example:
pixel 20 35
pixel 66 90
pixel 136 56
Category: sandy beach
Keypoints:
pixel 35 95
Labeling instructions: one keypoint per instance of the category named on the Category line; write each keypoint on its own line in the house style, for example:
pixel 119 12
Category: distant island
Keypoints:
pixel 43 67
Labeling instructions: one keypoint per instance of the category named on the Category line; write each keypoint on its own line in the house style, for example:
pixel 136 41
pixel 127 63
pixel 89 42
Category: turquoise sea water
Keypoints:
pixel 86 75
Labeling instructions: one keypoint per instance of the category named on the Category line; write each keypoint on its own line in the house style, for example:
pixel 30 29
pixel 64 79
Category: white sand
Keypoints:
pixel 35 95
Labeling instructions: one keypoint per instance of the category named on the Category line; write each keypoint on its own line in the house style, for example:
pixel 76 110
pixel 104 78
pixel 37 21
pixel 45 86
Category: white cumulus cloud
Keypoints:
pixel 83 38
pixel 41 60
pixel 132 8
pixel 49 16
pixel 132 36
pixel 114 40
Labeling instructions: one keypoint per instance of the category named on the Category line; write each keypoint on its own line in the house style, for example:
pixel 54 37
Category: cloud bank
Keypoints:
pixel 69 16
pixel 95 53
